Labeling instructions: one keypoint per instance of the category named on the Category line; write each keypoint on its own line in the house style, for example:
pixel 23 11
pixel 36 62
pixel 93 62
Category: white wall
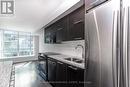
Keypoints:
pixel 67 47
pixel 27 58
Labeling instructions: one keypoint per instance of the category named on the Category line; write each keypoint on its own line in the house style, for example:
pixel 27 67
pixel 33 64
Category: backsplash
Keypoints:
pixel 67 47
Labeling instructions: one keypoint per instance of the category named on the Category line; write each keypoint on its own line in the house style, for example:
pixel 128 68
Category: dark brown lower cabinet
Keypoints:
pixel 75 76
pixel 52 72
pixel 64 75
pixel 61 75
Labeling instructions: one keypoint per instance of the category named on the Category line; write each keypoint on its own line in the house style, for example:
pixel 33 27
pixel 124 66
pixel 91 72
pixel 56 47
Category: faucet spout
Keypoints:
pixel 79 45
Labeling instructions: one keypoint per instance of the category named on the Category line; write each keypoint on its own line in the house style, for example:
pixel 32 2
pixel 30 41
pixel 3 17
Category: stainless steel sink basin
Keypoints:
pixel 75 60
pixel 69 59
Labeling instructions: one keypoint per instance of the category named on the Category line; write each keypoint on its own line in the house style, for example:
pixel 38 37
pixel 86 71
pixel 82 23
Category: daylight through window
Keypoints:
pixel 14 44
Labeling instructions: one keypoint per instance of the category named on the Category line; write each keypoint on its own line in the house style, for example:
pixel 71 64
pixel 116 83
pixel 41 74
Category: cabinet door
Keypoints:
pixel 72 76
pixel 61 27
pixel 75 77
pixel 61 75
pixel 47 35
pixel 76 24
pixel 52 72
pixel 70 27
pixel 50 34
pixel 80 78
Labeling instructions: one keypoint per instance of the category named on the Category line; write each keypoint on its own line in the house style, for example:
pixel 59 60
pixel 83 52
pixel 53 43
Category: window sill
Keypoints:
pixel 16 57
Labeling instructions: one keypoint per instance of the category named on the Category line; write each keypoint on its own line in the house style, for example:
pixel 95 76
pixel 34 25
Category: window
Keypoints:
pixel 25 44
pixel 14 44
pixel 1 48
pixel 10 44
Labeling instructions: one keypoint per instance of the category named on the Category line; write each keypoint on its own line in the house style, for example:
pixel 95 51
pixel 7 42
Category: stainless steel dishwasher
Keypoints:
pixel 42 66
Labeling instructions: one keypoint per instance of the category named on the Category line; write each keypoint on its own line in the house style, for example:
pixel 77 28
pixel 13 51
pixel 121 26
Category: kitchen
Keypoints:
pixel 76 43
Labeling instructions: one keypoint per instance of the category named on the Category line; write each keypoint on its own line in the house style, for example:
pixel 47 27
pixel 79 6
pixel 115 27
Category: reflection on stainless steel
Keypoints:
pixel 107 35
pixel 102 33
pixel 125 47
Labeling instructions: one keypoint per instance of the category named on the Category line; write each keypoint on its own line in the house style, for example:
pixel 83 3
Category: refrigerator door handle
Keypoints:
pixel 114 49
pixel 118 49
pixel 125 46
pixel 128 39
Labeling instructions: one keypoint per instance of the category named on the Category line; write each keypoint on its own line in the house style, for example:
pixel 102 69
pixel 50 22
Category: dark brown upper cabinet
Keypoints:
pixel 70 27
pixel 61 29
pixel 76 24
pixel 50 34
pixel 47 35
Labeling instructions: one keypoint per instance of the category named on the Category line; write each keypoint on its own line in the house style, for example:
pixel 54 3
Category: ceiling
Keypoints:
pixel 31 15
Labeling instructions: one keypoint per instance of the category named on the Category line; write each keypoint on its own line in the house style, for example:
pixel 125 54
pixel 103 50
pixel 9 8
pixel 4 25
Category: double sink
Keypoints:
pixel 71 59
pixel 76 60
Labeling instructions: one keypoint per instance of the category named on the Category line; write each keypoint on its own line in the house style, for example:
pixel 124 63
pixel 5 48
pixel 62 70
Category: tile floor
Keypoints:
pixel 26 75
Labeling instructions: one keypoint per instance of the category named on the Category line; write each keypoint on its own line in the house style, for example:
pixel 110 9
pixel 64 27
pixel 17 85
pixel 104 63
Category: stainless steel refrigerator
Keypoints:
pixel 126 42
pixel 104 43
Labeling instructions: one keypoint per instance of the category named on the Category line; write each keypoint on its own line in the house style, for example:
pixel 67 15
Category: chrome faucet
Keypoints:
pixel 79 45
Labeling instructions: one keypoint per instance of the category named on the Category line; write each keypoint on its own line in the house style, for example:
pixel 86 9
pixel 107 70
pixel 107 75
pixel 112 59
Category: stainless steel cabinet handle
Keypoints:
pixel 59 29
pixel 59 62
pixel 72 67
pixel 78 38
pixel 78 22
